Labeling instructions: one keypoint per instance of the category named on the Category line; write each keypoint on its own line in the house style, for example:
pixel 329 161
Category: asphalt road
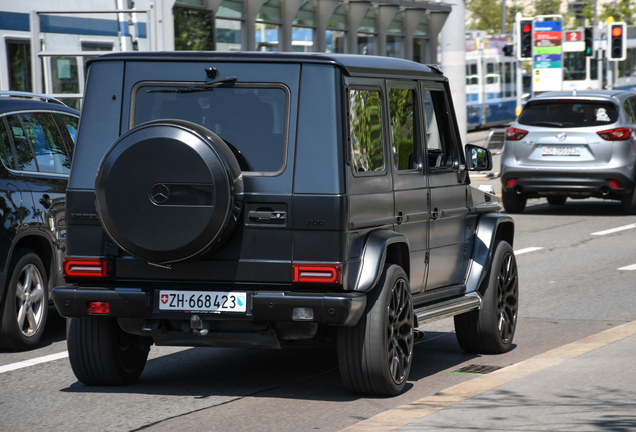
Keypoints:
pixel 575 281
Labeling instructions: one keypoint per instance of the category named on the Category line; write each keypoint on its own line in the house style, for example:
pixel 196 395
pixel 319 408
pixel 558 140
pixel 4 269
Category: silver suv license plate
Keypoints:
pixel 203 301
pixel 561 151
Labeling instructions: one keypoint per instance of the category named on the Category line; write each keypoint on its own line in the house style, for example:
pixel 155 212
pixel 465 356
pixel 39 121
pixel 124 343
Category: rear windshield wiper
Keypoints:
pixel 227 82
pixel 546 123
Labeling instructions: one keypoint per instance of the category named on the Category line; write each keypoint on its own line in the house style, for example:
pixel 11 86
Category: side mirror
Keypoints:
pixel 478 158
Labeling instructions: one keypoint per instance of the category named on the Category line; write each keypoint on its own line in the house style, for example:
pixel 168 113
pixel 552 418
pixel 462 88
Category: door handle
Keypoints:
pixel 435 213
pixel 45 201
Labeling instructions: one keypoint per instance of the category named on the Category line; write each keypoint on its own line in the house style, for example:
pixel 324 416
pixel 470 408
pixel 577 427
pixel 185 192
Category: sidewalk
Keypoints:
pixel 586 385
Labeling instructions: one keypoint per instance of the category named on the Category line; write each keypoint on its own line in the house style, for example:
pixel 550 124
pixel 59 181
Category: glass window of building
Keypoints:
pixel 64 74
pixel 193 27
pixel 366 33
pixel 336 35
pixel 19 61
pixel 395 37
pixel 420 41
pixel 303 30
pixel 268 23
pixel 229 25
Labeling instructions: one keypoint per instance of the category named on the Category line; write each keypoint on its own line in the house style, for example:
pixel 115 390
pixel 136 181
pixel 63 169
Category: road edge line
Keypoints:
pixel 405 414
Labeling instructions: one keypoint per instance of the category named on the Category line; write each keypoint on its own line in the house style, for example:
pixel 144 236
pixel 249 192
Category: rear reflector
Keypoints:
pixel 317 273
pixel 98 308
pixel 86 267
pixel 511 182
pixel 618 134
pixel 615 184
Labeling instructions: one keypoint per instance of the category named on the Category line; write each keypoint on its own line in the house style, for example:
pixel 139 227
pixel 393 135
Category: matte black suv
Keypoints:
pixel 36 144
pixel 253 199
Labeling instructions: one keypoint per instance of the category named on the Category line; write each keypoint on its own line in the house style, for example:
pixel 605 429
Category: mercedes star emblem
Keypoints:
pixel 159 193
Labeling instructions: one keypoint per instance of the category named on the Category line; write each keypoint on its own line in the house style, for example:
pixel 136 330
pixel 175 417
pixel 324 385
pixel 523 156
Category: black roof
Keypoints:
pixel 351 64
pixel 8 104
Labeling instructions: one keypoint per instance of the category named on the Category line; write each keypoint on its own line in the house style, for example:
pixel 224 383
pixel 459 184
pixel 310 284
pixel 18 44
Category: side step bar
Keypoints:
pixel 434 312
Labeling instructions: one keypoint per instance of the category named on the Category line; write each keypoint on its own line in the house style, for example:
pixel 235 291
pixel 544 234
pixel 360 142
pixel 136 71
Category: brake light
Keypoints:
pixel 618 134
pixel 317 273
pixel 98 308
pixel 87 267
pixel 514 134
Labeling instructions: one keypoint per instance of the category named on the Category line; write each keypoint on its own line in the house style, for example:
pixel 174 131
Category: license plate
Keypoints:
pixel 561 151
pixel 202 301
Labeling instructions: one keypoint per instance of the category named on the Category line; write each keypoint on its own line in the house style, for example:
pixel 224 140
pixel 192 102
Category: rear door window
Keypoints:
pixel 568 113
pixel 251 119
pixel 6 153
pixel 26 159
pixel 46 142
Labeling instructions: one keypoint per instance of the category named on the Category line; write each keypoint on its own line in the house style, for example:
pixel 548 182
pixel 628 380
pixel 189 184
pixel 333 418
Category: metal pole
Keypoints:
pixel 503 16
pixel 519 84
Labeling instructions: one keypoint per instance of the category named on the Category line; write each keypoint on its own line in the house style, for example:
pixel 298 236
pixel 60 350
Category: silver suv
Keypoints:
pixel 569 144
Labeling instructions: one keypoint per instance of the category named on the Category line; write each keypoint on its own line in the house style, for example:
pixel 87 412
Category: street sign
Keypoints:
pixel 547 70
pixel 574 41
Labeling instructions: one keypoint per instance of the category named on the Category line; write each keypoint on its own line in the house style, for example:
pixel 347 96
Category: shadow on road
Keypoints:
pixel 576 208
pixel 306 372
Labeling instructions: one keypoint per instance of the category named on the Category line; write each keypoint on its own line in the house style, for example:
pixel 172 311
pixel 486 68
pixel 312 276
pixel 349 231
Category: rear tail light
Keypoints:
pixel 618 134
pixel 514 134
pixel 510 182
pixel 87 268
pixel 317 273
pixel 98 308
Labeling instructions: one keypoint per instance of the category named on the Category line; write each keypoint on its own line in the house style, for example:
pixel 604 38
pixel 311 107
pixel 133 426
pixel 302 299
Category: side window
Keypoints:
pixel 401 111
pixel 71 125
pixel 47 143
pixel 632 103
pixel 26 160
pixel 438 142
pixel 365 131
pixel 5 146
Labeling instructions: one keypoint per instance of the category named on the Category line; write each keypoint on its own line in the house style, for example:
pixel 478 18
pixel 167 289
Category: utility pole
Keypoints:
pixel 503 17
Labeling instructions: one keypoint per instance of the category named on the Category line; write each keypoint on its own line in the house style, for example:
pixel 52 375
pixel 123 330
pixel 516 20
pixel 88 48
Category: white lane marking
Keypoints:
pixel 526 250
pixel 629 267
pixel 33 362
pixel 613 230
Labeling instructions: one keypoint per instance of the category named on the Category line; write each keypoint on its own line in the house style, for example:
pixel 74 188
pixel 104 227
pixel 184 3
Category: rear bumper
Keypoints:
pixel 263 306
pixel 532 182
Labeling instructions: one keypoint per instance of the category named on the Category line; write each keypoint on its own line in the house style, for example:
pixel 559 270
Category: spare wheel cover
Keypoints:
pixel 166 191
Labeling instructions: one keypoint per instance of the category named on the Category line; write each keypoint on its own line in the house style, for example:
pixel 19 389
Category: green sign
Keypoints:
pixel 547 50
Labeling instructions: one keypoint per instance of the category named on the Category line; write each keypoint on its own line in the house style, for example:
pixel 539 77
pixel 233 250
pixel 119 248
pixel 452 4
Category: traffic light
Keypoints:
pixel 618 42
pixel 508 50
pixel 525 40
pixel 589 41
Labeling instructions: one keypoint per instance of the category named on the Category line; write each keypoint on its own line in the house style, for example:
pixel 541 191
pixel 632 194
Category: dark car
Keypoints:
pixel 572 145
pixel 37 136
pixel 257 199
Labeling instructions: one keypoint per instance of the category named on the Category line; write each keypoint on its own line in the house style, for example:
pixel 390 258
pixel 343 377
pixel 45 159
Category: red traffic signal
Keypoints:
pixel 617 31
pixel 527 28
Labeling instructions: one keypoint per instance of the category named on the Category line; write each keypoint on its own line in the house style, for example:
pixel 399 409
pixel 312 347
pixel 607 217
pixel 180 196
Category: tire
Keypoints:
pixel 102 354
pixel 491 329
pixel 557 200
pixel 628 203
pixel 375 355
pixel 26 303
pixel 513 202
pixel 168 191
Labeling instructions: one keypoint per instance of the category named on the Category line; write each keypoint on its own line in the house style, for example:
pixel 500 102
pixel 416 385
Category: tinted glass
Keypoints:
pixel 401 109
pixel 5 146
pixel 251 120
pixel 26 161
pixel 365 116
pixel 568 113
pixel 440 152
pixel 47 143
pixel 71 125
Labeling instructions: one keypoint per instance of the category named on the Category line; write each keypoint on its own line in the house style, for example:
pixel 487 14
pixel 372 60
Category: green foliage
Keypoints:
pixel 621 10
pixel 366 130
pixel 193 29
pixel 547 7
pixel 486 15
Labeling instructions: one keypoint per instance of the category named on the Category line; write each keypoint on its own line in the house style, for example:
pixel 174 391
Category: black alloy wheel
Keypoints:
pixel 400 331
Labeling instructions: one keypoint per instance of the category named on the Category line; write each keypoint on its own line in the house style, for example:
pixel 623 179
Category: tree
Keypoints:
pixel 620 10
pixel 486 15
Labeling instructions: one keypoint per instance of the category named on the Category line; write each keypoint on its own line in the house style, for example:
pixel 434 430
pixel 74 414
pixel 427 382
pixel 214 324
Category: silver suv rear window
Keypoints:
pixel 568 113
pixel 252 119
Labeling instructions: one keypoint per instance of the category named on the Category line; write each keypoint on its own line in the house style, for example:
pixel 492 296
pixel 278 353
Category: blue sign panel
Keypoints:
pixel 547 58
pixel 548 26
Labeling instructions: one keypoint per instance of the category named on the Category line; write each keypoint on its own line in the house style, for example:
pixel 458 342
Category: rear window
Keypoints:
pixel 251 119
pixel 568 113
